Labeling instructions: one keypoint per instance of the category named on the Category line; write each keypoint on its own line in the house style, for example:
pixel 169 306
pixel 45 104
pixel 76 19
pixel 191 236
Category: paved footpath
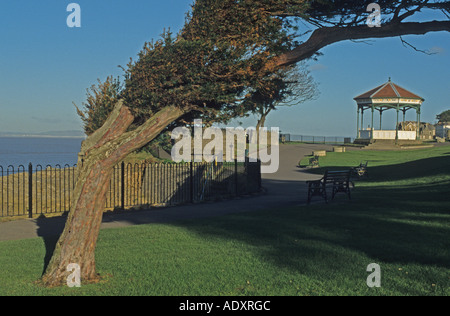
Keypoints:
pixel 287 187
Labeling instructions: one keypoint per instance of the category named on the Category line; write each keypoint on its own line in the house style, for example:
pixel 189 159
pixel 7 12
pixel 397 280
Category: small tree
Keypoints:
pixel 289 86
pixel 444 117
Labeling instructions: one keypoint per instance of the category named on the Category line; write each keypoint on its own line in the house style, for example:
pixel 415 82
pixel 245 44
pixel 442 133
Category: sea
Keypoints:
pixel 44 151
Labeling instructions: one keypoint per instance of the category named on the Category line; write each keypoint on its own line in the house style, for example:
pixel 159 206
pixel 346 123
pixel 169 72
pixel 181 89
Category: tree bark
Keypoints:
pixel 100 153
pixel 262 120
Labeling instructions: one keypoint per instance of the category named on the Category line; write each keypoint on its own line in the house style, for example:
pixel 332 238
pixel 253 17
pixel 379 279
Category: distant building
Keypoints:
pixel 443 129
pixel 427 131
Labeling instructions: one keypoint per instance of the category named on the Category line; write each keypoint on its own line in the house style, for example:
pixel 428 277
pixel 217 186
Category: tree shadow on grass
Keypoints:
pixel 49 229
pixel 390 234
pixel 404 224
pixel 427 167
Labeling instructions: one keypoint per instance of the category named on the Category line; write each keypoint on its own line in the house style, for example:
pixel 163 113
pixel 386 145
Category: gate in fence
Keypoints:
pixel 44 190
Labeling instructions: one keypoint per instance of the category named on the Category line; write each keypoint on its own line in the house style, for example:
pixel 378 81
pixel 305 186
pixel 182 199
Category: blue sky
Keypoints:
pixel 45 66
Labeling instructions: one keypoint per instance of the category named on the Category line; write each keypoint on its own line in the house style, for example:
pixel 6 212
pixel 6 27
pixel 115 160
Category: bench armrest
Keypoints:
pixel 315 181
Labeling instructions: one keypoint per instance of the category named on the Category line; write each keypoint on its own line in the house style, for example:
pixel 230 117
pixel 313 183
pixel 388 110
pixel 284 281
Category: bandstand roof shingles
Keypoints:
pixel 389 90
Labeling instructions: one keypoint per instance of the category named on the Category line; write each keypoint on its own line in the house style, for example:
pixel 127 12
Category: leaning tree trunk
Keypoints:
pixel 99 154
pixel 262 120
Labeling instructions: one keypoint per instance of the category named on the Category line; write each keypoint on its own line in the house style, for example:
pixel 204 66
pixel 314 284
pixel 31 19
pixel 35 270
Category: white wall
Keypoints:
pixel 388 134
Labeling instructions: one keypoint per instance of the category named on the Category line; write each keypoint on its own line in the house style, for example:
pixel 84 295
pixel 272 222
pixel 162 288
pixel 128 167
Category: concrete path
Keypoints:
pixel 286 187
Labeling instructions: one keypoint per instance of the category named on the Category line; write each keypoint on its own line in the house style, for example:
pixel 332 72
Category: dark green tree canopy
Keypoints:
pixel 444 117
pixel 212 64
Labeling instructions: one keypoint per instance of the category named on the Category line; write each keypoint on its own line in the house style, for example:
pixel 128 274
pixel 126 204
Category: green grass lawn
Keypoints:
pixel 399 218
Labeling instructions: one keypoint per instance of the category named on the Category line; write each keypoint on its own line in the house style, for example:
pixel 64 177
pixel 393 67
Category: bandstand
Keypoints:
pixel 382 98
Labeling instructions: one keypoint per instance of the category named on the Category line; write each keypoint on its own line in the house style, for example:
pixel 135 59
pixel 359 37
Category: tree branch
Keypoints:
pixel 325 36
pixel 438 5
pixel 135 139
pixel 116 124
pixel 410 12
pixel 406 44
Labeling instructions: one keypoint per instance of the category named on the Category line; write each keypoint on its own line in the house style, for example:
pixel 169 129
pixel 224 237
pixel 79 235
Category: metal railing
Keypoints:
pixel 334 140
pixel 38 190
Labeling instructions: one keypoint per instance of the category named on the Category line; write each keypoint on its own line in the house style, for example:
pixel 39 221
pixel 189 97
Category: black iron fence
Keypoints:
pixel 43 190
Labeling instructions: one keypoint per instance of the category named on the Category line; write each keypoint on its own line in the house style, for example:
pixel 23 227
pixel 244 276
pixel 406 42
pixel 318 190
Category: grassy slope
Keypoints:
pixel 399 218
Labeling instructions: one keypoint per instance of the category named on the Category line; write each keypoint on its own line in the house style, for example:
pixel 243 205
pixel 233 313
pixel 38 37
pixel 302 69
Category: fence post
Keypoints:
pixel 191 181
pixel 236 178
pixel 247 174
pixel 30 190
pixel 122 185
pixel 259 175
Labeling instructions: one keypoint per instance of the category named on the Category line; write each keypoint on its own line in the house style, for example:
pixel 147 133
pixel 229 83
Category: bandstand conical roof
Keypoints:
pixel 388 90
